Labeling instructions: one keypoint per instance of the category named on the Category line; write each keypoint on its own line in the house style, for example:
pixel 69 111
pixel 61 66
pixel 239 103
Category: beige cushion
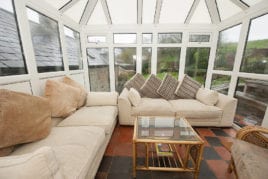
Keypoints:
pixel 191 108
pixel 135 82
pixel 153 107
pixel 134 97
pixel 102 99
pixel 207 96
pixel 187 88
pixel 63 98
pixel 41 163
pixel 23 118
pixel 168 87
pixel 83 92
pixel 100 116
pixel 149 88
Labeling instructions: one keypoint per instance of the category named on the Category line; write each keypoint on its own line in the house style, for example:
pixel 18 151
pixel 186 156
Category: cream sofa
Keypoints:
pixel 73 149
pixel 196 112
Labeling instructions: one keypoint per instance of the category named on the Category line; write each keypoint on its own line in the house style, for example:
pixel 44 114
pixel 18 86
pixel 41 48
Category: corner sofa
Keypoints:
pixel 74 146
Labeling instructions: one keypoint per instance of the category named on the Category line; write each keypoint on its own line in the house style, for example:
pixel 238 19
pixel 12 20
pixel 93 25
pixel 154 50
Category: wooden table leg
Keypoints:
pixel 134 152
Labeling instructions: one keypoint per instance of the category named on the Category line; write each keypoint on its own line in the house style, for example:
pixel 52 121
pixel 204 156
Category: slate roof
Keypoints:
pixel 97 56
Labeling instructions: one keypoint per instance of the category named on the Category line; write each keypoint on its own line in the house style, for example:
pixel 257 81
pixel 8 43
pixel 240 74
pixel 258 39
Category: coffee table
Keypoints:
pixel 166 144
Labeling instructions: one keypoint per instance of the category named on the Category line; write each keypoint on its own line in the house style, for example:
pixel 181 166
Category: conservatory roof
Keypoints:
pixel 103 12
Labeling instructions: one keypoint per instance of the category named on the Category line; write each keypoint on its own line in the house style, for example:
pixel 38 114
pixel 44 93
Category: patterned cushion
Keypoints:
pixel 187 88
pixel 135 82
pixel 168 87
pixel 149 88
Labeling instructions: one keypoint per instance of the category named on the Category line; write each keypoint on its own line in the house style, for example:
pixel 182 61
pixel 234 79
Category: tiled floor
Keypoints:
pixel 117 161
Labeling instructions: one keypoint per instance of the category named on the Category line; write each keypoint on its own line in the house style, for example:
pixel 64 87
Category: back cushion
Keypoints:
pixel 149 88
pixel 207 96
pixel 135 82
pixel 168 87
pixel 102 99
pixel 24 118
pixel 187 88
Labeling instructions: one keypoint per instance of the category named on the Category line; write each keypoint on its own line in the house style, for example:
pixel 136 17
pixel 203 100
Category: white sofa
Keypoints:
pixel 196 112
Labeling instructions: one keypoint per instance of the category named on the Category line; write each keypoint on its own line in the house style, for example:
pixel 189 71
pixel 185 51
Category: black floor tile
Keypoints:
pixel 205 172
pixel 210 154
pixel 219 132
pixel 121 165
pixel 213 141
pixel 105 164
pixel 119 176
pixel 143 175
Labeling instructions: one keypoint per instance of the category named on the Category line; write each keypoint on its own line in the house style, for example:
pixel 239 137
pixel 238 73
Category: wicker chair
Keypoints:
pixel 252 134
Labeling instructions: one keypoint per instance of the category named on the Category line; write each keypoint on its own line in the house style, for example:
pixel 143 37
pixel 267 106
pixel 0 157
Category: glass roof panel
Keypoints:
pixel 251 2
pixel 76 11
pixel 201 14
pixel 174 11
pixel 227 9
pixel 123 11
pixel 97 16
pixel 7 5
pixel 148 11
pixel 58 3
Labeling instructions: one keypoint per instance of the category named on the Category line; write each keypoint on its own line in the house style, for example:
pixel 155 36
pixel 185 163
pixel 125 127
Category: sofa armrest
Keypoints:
pixel 124 107
pixel 102 99
pixel 228 105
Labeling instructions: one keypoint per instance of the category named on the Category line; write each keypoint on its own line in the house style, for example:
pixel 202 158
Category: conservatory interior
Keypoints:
pixel 133 89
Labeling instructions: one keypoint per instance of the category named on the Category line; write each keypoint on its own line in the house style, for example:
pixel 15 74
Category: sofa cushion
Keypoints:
pixel 153 107
pixel 168 87
pixel 101 116
pixel 41 163
pixel 187 88
pixel 102 99
pixel 23 118
pixel 63 98
pixel 149 88
pixel 83 92
pixel 135 82
pixel 251 161
pixel 134 97
pixel 191 108
pixel 207 96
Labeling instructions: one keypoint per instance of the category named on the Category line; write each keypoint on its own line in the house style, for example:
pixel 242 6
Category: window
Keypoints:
pixel 199 38
pixel 168 60
pixel 147 38
pixel 220 83
pixel 98 69
pixel 125 38
pixel 255 59
pixel 125 65
pixel 226 51
pixel 96 39
pixel 169 38
pixel 73 49
pixel 11 54
pixel 252 95
pixel 196 63
pixel 146 61
pixel 46 42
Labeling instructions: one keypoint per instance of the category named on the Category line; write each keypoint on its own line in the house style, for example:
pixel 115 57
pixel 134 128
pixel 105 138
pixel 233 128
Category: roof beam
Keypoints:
pixel 157 11
pixel 191 12
pixel 240 4
pixel 213 11
pixel 140 3
pixel 68 5
pixel 91 4
pixel 106 11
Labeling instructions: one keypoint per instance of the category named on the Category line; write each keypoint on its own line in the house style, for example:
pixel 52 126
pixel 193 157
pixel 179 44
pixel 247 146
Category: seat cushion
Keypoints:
pixel 153 107
pixel 101 116
pixel 191 108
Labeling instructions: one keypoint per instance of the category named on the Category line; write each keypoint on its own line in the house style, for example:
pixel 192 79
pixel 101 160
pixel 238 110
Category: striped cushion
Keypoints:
pixel 187 88
pixel 135 82
pixel 149 88
pixel 168 87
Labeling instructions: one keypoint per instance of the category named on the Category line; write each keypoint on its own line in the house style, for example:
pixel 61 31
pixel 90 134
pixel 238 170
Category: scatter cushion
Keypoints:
pixel 149 88
pixel 168 87
pixel 63 99
pixel 134 97
pixel 135 82
pixel 39 164
pixel 24 118
pixel 83 92
pixel 102 99
pixel 207 96
pixel 187 88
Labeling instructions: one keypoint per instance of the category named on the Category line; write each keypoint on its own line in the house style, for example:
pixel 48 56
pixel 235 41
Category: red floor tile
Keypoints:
pixel 219 168
pixel 223 152
pixel 205 132
pixel 230 131
pixel 123 149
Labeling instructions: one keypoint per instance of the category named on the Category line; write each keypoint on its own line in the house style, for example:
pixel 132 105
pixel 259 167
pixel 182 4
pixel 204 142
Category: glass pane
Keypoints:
pixel 98 16
pixel 125 38
pixel 98 69
pixel 227 45
pixel 46 42
pixel 169 37
pixel 255 59
pixel 199 38
pixel 220 83
pixel 168 61
pixel 125 65
pixel 251 2
pixel 146 61
pixel 77 10
pixel 196 63
pixel 11 54
pixel 148 11
pixel 201 14
pixel 252 95
pixel 227 9
pixel 147 38
pixel 96 39
pixel 73 49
